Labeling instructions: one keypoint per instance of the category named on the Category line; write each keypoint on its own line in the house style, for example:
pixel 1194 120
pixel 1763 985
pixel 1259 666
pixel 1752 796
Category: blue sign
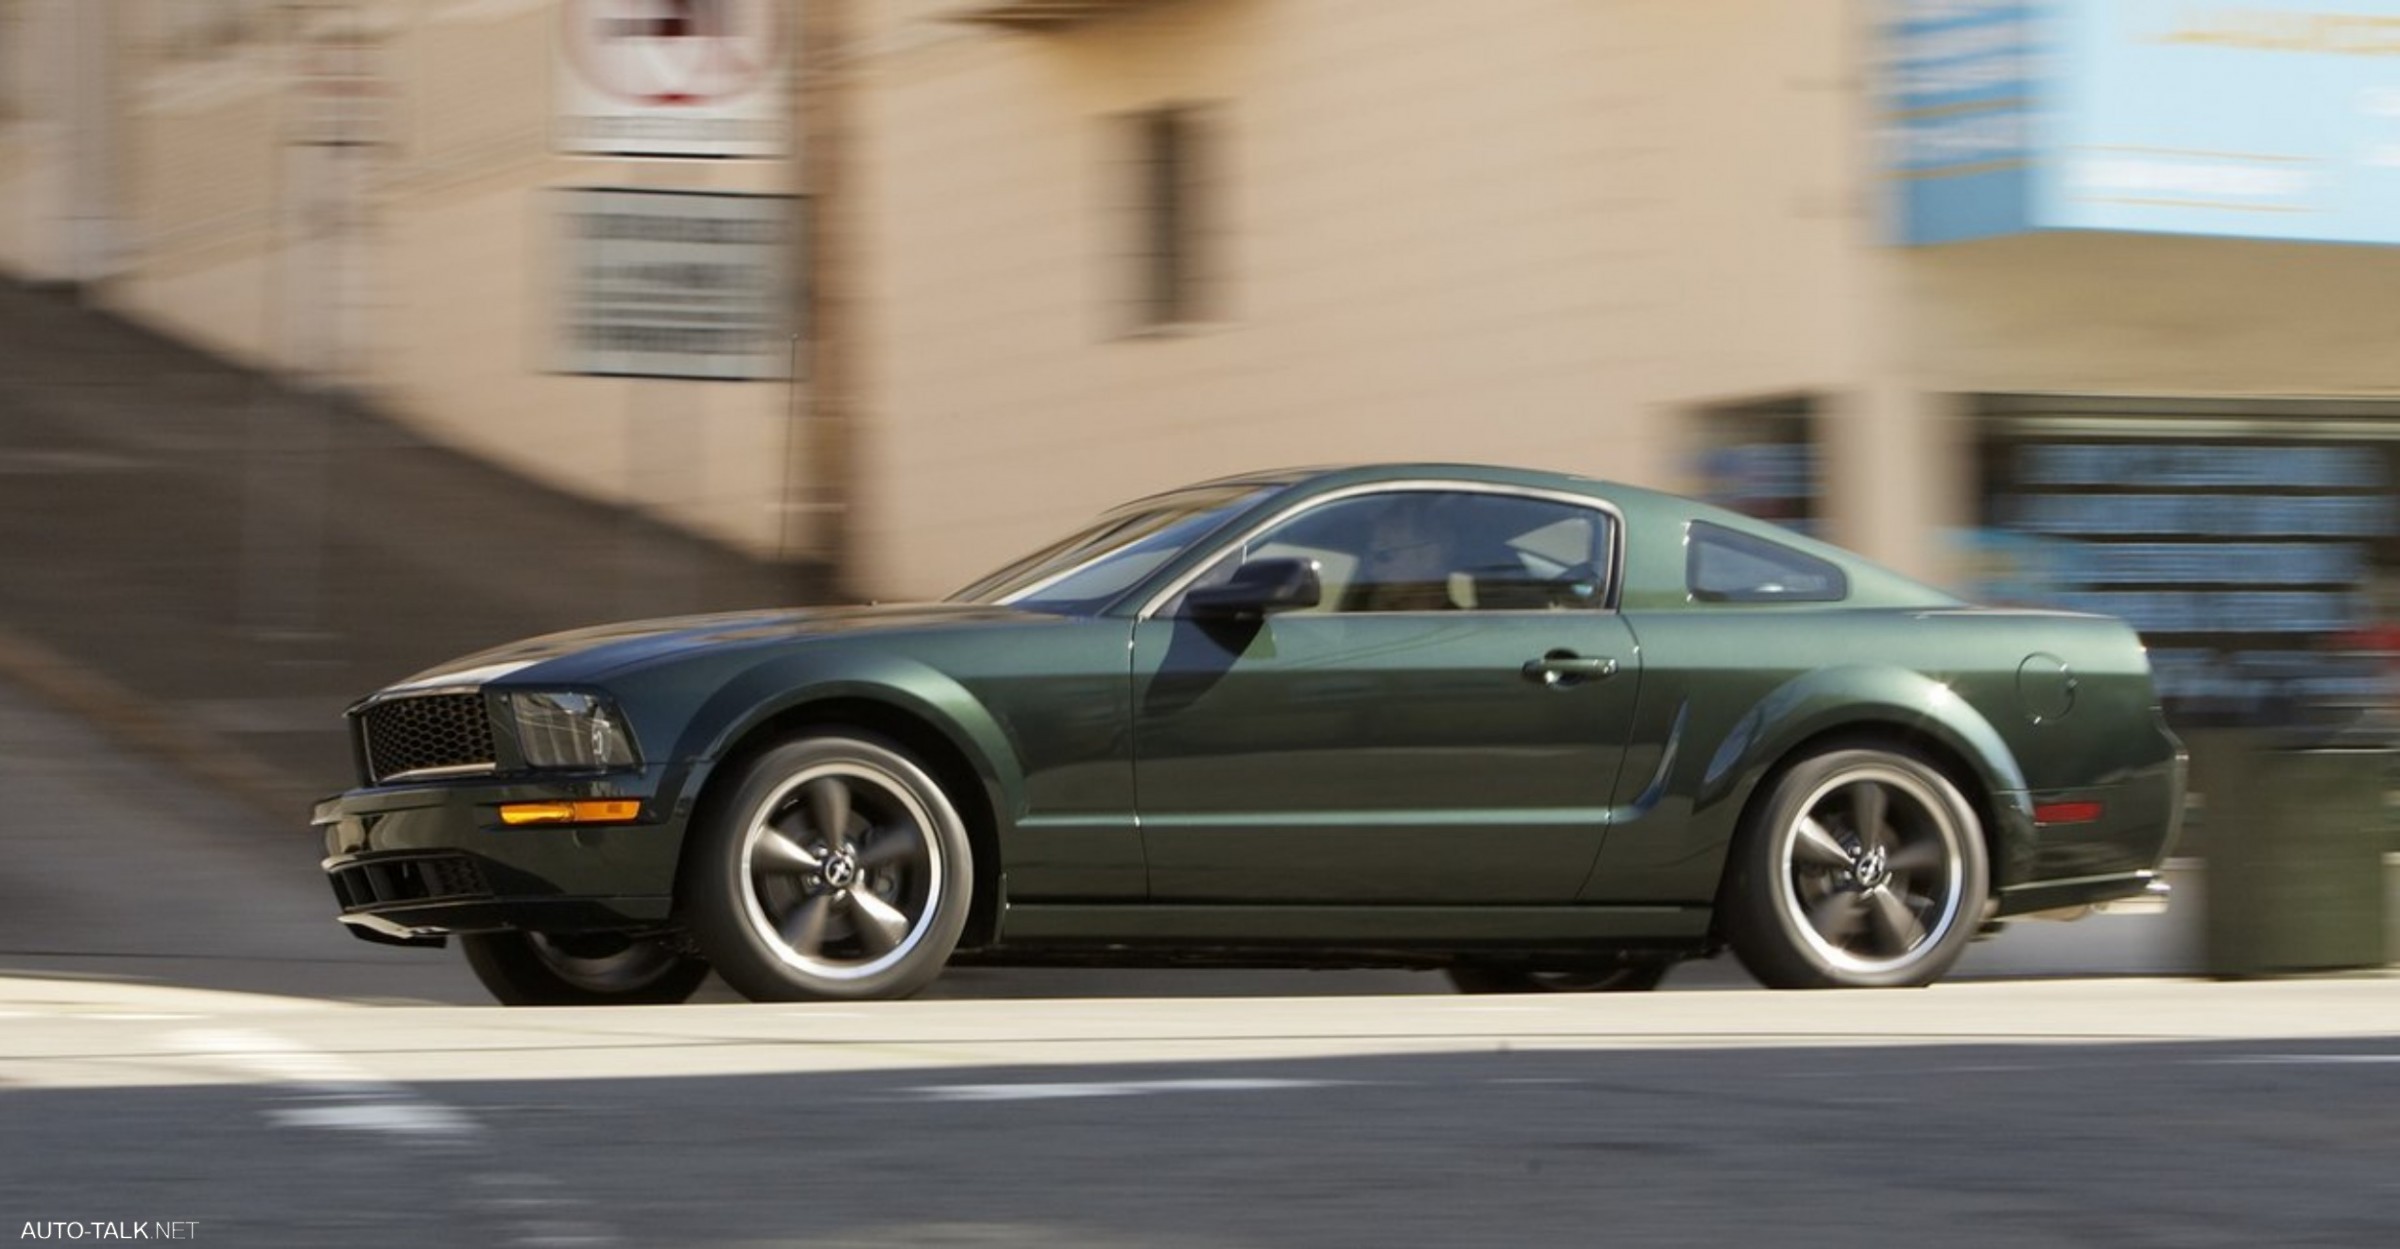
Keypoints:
pixel 1962 93
pixel 2271 119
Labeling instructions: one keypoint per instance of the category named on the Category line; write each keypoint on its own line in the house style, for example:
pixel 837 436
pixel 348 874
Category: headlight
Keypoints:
pixel 558 730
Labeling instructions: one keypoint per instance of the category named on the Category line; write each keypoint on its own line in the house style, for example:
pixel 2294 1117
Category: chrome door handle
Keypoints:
pixel 1565 667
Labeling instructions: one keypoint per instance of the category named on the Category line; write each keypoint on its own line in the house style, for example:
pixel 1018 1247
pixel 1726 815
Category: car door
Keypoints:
pixel 1444 725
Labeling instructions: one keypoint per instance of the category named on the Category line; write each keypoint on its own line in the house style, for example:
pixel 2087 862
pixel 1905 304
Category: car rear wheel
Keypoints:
pixel 1864 868
pixel 580 969
pixel 838 869
pixel 1630 977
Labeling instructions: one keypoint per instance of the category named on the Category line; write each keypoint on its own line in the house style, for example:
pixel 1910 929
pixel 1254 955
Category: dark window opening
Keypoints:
pixel 1170 229
pixel 1760 459
pixel 2254 543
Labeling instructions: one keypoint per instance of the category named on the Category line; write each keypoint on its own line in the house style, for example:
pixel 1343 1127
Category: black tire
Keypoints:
pixel 580 969
pixel 1638 976
pixel 1863 868
pixel 836 868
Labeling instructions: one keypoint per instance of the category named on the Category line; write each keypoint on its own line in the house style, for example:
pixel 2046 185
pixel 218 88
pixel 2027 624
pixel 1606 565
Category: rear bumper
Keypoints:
pixel 2121 836
pixel 412 864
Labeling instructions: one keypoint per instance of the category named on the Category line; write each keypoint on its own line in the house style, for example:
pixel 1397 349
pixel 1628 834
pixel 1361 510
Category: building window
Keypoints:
pixel 199 30
pixel 2254 543
pixel 1759 458
pixel 1169 180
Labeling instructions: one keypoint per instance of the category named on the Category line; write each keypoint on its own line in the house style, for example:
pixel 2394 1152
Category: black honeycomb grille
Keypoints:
pixel 429 731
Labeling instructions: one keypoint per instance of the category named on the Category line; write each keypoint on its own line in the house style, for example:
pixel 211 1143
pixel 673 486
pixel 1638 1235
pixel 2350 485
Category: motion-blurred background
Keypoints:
pixel 342 336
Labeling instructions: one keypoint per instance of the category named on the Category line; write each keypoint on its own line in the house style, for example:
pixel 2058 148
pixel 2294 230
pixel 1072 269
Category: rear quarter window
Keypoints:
pixel 1724 566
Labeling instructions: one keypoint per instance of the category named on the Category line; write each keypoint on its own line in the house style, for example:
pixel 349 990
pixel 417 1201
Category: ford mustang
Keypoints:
pixel 1541 731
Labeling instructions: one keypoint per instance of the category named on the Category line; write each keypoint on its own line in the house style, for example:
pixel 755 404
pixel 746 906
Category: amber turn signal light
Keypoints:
pixel 602 811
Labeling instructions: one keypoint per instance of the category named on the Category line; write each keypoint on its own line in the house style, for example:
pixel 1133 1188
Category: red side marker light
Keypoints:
pixel 2066 813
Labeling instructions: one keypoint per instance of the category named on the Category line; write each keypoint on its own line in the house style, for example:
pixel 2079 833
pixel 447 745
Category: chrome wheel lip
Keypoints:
pixel 896 782
pixel 1939 807
pixel 636 967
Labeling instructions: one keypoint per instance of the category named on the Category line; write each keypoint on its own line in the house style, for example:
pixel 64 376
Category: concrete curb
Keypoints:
pixel 195 750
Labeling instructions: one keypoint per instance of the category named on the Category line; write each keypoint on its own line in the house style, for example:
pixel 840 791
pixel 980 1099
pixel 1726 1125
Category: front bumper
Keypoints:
pixel 414 863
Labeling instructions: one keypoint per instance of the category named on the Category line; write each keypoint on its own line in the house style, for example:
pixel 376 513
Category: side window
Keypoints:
pixel 1430 550
pixel 1173 188
pixel 1723 566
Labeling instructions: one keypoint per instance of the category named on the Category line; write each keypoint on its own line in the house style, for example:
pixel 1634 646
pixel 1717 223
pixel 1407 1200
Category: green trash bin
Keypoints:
pixel 2294 845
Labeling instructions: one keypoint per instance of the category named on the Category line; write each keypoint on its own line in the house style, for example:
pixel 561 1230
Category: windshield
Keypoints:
pixel 1091 568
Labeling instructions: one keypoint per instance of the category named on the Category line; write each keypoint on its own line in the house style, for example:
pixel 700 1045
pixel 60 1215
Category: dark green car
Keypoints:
pixel 1539 730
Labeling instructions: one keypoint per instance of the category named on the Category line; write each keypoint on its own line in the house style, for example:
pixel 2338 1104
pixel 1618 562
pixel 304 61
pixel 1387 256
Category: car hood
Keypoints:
pixel 588 654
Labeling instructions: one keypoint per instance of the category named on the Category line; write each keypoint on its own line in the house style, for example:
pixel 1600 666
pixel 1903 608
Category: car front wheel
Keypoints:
pixel 1864 868
pixel 580 969
pixel 838 869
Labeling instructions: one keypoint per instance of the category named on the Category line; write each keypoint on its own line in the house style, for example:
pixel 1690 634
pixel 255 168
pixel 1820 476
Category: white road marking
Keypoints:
pixel 2296 1060
pixel 328 1092
pixel 520 1197
pixel 138 1016
pixel 1108 1088
pixel 348 1097
pixel 406 1117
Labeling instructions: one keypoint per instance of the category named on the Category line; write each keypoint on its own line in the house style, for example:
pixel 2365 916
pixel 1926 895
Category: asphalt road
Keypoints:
pixel 187 1044
pixel 2116 1113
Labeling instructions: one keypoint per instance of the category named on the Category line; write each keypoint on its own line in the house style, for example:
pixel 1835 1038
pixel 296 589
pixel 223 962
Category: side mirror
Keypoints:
pixel 1258 588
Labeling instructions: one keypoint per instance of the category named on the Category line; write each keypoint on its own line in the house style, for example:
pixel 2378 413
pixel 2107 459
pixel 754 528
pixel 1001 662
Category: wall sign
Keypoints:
pixel 2275 119
pixel 674 78
pixel 1959 144
pixel 675 284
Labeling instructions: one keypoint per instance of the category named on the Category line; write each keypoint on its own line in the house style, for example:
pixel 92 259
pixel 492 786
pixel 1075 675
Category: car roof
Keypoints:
pixel 1372 471
pixel 1366 473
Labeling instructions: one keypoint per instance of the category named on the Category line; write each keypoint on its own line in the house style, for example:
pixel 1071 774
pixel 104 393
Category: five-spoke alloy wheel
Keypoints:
pixel 1863 868
pixel 839 868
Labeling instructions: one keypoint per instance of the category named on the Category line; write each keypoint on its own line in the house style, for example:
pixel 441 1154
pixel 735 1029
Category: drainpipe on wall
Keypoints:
pixel 90 184
pixel 819 506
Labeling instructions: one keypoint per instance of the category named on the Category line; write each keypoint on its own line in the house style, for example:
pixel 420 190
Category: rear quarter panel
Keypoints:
pixel 1729 693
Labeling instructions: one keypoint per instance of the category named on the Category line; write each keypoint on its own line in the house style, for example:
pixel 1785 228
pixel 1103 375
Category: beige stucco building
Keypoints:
pixel 1423 230
pixel 1099 247
pixel 1652 239
pixel 1549 231
pixel 364 193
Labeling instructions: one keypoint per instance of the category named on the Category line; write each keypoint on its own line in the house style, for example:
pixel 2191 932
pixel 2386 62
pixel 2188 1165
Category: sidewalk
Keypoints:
pixel 212 566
